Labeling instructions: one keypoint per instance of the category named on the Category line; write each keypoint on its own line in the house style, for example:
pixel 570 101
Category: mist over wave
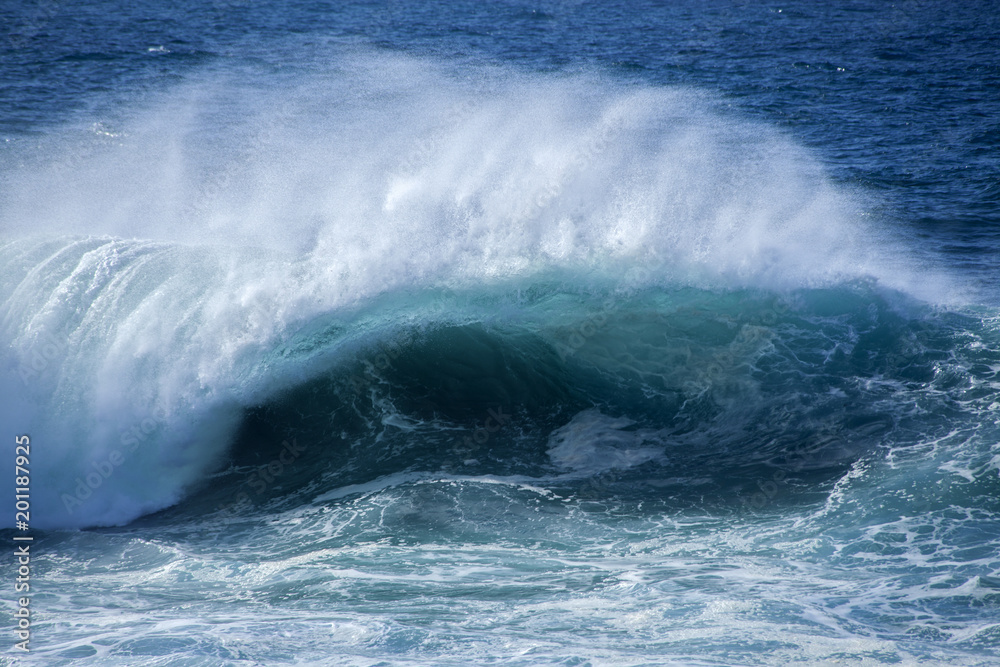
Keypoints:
pixel 172 267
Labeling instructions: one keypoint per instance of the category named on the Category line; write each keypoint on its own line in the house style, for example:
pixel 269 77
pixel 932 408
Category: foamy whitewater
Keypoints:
pixel 402 359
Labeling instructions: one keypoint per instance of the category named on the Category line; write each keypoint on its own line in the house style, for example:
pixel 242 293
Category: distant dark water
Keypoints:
pixel 554 333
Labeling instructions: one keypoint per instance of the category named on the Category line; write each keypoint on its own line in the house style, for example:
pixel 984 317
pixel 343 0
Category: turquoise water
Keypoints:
pixel 553 334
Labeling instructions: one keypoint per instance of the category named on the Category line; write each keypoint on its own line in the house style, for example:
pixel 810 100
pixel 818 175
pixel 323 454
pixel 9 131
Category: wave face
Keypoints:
pixel 219 249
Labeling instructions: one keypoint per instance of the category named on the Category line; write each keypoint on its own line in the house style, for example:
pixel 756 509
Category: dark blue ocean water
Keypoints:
pixel 554 333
